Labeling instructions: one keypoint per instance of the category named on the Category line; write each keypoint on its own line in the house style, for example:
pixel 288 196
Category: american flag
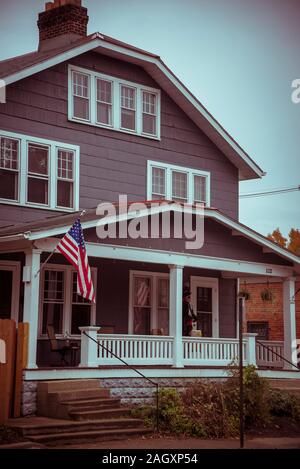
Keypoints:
pixel 72 246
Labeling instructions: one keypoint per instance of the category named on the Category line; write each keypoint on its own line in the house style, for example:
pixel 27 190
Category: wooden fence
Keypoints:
pixel 16 349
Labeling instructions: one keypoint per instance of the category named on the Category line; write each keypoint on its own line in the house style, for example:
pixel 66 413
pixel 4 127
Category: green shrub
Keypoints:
pixel 283 404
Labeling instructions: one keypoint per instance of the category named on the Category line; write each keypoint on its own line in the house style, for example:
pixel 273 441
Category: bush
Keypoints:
pixel 211 409
pixel 283 404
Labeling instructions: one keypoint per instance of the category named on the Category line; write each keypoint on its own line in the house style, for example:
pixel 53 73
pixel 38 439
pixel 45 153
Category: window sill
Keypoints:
pixel 40 207
pixel 123 131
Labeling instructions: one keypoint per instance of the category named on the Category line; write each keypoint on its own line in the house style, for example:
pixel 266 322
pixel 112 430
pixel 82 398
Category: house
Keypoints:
pixel 264 316
pixel 88 118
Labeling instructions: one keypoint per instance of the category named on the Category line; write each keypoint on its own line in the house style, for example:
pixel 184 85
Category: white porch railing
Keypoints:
pixel 135 349
pixel 266 357
pixel 159 350
pixel 212 351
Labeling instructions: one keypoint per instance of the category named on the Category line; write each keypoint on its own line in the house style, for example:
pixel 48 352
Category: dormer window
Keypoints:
pixel 170 182
pixel 110 102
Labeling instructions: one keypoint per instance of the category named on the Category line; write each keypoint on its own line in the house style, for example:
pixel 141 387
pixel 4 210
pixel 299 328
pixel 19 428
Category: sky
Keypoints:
pixel 239 57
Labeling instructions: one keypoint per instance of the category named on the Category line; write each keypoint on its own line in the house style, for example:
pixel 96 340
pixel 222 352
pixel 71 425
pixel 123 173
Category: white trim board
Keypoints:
pixel 109 251
pixel 161 73
pixel 209 282
pixel 118 373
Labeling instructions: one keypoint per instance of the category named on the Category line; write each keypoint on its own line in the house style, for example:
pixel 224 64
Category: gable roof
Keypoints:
pixel 23 66
pixel 59 225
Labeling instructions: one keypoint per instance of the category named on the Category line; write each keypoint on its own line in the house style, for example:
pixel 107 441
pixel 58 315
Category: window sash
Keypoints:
pixel 33 168
pixel 190 195
pixel 127 107
pixel 10 168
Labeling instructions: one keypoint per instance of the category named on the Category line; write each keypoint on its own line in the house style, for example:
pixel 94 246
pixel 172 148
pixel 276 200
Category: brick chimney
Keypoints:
pixel 63 22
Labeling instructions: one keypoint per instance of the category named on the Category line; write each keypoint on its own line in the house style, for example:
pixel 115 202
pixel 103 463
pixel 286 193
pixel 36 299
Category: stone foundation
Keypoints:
pixel 131 391
pixel 29 398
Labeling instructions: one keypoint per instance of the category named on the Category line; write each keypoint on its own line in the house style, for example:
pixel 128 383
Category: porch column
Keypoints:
pixel 289 322
pixel 176 313
pixel 89 346
pixel 31 279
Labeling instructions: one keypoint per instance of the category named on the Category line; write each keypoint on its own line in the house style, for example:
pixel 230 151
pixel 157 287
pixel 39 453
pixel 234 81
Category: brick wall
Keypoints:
pixel 271 311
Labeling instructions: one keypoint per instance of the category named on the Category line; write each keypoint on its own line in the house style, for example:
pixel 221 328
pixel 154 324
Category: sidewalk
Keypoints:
pixel 190 443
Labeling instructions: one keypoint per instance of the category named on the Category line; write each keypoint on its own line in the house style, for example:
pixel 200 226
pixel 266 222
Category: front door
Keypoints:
pixel 204 296
pixel 9 290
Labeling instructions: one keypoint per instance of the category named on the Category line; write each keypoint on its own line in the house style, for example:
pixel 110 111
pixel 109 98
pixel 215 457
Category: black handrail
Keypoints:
pixel 278 355
pixel 134 369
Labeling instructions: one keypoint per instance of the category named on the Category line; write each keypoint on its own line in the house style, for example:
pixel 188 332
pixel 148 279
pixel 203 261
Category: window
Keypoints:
pixel 149 303
pixel 65 178
pixel 60 304
pixel 176 183
pixel 149 113
pixel 106 101
pixel 9 168
pixel 39 172
pixel 53 300
pixel 81 95
pixel 261 328
pixel 81 308
pixel 128 105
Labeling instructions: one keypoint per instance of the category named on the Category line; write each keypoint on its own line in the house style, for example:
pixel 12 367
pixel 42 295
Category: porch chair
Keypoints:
pixel 62 351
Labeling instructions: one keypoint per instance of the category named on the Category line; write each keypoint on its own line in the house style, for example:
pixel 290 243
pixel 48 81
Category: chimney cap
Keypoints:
pixel 59 3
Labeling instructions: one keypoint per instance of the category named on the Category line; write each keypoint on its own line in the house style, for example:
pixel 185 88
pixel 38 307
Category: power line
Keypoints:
pixel 270 192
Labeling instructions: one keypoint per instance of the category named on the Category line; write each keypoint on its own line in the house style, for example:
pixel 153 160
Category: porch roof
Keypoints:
pixel 59 225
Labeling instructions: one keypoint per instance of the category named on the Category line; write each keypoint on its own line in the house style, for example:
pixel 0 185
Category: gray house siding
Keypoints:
pixel 112 162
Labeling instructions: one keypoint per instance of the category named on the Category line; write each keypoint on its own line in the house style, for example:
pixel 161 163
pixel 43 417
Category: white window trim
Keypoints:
pixel 116 102
pixel 213 283
pixel 24 141
pixel 169 168
pixel 154 276
pixel 67 302
pixel 14 267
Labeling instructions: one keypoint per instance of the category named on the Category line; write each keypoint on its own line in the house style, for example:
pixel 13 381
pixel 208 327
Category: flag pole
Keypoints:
pixel 53 252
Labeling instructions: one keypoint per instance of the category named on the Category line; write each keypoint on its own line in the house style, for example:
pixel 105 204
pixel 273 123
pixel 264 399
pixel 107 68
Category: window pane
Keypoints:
pixel 204 324
pixel 75 297
pixel 37 191
pixel 179 185
pixel 128 119
pixel 81 108
pixel 142 291
pixel 149 124
pixel 158 182
pixel 54 285
pixel 127 97
pixel 199 189
pixel 81 85
pixel 9 185
pixel 141 322
pixel 37 159
pixel 149 103
pixel 104 113
pixel 204 299
pixel 163 292
pixel 81 316
pixel 64 194
pixel 6 282
pixel 52 315
pixel 65 164
pixel 104 89
pixel 9 154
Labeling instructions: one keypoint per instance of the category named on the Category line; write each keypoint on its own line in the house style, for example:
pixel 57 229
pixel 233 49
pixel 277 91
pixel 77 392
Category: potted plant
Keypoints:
pixel 267 295
pixel 244 292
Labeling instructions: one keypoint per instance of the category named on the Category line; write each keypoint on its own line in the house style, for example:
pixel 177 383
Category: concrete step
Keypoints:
pixel 94 402
pixel 50 426
pixel 79 394
pixel 99 414
pixel 68 385
pixel 83 436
